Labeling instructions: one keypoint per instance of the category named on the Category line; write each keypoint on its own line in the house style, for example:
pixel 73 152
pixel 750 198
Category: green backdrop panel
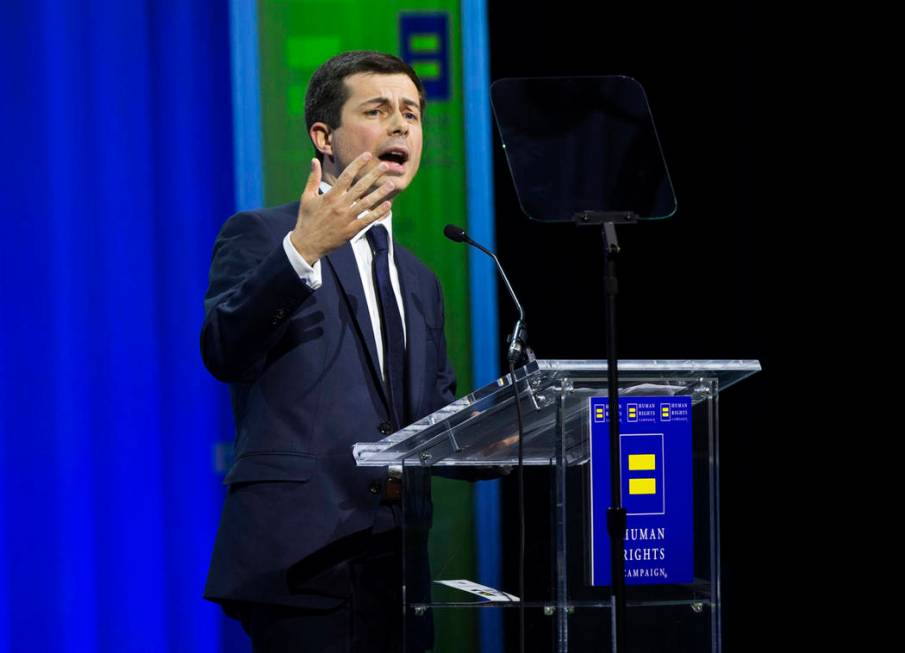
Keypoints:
pixel 295 37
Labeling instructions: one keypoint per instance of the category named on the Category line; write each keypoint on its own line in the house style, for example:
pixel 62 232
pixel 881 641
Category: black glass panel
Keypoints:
pixel 578 144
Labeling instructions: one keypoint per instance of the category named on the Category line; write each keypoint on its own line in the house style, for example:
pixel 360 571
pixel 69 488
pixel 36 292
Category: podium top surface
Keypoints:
pixel 478 428
pixel 727 372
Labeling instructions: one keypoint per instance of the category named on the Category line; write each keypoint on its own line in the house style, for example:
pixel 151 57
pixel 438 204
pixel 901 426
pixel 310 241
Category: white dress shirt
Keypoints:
pixel 311 275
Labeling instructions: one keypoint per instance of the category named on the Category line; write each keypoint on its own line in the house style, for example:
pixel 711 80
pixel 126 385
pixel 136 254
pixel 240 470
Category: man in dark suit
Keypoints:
pixel 328 334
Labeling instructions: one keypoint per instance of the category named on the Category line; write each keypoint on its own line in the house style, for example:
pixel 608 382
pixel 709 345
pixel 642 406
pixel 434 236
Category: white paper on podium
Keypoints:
pixel 486 593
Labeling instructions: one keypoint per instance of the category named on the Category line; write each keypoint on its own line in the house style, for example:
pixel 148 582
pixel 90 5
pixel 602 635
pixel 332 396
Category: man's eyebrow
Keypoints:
pixel 375 100
pixel 385 100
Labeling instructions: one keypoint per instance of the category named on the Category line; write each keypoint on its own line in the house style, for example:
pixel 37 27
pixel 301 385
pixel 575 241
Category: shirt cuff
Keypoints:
pixel 310 276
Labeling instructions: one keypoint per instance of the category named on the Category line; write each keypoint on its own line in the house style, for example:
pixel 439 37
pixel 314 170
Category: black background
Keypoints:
pixel 699 285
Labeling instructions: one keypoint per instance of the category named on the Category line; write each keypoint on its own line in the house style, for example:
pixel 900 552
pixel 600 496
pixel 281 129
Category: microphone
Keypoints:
pixel 518 352
pixel 455 233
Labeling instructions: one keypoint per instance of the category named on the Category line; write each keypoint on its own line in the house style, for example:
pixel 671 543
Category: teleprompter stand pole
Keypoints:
pixel 616 518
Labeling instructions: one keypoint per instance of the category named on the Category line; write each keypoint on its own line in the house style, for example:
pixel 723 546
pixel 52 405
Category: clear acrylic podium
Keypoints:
pixel 477 434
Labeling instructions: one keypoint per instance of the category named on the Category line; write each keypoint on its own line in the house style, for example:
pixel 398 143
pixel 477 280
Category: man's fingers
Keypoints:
pixel 374 198
pixel 314 178
pixel 373 215
pixel 371 178
pixel 344 181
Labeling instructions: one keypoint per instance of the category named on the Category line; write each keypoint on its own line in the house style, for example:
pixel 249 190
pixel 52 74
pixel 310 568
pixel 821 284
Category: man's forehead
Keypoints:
pixel 364 86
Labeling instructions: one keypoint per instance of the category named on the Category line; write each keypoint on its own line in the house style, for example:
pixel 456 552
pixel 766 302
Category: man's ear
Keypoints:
pixel 322 137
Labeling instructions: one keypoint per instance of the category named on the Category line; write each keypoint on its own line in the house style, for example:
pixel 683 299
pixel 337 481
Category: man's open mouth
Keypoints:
pixel 394 155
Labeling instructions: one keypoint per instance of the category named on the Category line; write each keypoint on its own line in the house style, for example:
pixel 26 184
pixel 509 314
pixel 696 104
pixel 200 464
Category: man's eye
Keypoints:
pixel 372 112
pixel 411 116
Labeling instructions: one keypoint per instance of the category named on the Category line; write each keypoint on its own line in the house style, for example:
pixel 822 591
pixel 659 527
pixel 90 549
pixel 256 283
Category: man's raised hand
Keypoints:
pixel 326 222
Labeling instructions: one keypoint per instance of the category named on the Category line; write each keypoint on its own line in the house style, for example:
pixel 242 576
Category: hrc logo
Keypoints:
pixel 642 462
pixel 599 413
pixel 424 45
pixel 643 474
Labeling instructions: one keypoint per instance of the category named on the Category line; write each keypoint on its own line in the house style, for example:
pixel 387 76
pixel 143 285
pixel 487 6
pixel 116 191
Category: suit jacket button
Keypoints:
pixel 279 315
pixel 385 428
pixel 374 487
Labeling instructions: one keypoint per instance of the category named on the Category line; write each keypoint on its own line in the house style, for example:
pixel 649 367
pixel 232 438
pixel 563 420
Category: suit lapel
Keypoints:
pixel 343 262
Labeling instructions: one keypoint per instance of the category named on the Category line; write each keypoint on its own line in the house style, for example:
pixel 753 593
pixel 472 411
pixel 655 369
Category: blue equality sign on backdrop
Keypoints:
pixel 655 453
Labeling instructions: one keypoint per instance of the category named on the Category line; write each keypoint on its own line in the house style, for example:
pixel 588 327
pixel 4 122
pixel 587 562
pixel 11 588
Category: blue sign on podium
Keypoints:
pixel 655 454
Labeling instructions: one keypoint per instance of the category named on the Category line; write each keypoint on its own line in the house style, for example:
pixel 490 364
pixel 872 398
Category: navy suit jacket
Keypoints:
pixel 305 384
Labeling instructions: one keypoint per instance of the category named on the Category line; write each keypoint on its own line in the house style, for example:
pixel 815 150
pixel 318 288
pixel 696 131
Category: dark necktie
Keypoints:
pixel 391 324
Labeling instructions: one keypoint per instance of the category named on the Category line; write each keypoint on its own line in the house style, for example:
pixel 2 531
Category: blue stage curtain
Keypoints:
pixel 116 174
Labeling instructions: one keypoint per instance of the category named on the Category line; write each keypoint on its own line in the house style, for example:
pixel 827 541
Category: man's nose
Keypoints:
pixel 398 124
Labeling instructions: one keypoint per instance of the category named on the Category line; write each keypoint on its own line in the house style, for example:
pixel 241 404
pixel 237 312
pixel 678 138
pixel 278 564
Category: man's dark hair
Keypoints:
pixel 327 91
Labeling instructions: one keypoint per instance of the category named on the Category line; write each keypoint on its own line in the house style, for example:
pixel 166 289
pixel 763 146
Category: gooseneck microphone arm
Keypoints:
pixel 517 353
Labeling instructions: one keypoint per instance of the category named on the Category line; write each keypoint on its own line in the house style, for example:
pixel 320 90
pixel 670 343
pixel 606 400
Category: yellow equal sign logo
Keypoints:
pixel 632 413
pixel 642 462
pixel 642 486
pixel 664 412
pixel 598 413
